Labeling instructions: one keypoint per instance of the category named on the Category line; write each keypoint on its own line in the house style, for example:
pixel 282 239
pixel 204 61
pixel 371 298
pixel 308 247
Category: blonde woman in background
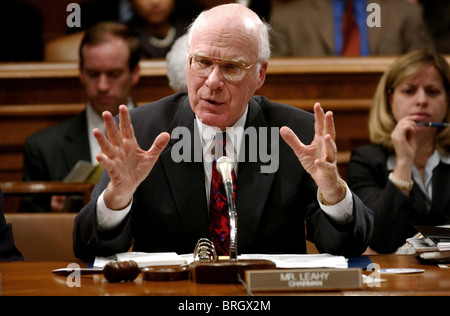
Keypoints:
pixel 404 175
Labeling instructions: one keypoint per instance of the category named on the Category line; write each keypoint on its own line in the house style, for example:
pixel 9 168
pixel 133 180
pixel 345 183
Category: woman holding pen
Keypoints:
pixel 404 175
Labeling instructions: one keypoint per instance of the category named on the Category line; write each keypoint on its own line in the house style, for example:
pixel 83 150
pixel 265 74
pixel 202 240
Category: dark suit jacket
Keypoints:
pixel 395 214
pixel 51 153
pixel 8 250
pixel 305 28
pixel 170 213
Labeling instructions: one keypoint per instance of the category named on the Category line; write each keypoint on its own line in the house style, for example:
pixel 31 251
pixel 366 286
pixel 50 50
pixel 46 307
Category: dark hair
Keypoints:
pixel 101 32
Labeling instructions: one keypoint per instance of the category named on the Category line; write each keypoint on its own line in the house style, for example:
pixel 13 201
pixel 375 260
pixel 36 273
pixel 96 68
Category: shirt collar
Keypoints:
pixel 95 120
pixel 234 133
pixel 432 163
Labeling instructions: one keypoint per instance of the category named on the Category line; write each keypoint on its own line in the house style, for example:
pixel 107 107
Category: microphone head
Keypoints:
pixel 225 166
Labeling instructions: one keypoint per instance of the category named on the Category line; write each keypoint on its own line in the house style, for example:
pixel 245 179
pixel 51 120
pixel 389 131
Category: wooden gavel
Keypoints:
pixel 220 271
pixel 128 271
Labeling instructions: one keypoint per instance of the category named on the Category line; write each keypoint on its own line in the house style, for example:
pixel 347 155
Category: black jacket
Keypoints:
pixel 395 214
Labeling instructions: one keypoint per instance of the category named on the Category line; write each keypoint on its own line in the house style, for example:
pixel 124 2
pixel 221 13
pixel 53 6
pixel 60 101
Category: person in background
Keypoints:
pixel 151 199
pixel 177 61
pixel 159 23
pixel 317 28
pixel 403 176
pixel 8 250
pixel 109 68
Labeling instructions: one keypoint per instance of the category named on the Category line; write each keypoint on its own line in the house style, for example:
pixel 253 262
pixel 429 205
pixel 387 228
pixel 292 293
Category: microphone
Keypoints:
pixel 225 167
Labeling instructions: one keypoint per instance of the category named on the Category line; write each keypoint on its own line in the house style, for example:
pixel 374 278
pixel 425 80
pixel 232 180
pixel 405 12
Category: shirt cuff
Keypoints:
pixel 342 212
pixel 108 219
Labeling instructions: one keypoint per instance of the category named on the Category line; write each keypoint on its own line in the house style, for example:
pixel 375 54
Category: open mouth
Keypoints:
pixel 212 102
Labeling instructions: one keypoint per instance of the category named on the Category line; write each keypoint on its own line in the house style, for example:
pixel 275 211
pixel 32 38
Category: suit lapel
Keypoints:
pixel 253 187
pixel 440 205
pixel 187 180
pixel 77 146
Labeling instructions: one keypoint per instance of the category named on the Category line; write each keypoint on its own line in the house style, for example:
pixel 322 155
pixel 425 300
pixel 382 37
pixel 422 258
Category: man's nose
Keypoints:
pixel 215 79
pixel 103 83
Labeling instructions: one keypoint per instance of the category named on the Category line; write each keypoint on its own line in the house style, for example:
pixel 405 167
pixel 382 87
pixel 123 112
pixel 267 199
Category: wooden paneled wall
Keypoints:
pixel 36 95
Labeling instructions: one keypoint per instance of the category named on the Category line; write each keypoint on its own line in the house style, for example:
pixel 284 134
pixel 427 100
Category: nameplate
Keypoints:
pixel 303 279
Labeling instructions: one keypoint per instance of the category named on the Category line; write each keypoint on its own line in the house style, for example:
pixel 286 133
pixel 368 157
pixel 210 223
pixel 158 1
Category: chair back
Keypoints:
pixel 43 236
pixel 64 48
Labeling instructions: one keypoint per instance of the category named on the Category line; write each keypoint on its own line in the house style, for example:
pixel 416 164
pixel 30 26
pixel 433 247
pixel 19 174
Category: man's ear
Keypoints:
pixel 81 73
pixel 262 74
pixel 135 75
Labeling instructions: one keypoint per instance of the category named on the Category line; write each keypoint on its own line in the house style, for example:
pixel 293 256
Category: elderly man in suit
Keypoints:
pixel 313 27
pixel 109 68
pixel 156 192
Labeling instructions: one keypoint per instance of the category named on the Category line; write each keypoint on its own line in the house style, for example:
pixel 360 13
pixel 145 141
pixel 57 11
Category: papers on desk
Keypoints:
pixel 434 245
pixel 143 259
pixel 302 261
pixel 443 245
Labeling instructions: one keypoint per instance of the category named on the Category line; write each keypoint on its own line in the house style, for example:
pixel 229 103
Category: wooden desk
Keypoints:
pixel 36 278
pixel 37 95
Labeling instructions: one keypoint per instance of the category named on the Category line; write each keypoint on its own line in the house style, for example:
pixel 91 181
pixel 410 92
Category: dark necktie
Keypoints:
pixel 219 221
pixel 351 45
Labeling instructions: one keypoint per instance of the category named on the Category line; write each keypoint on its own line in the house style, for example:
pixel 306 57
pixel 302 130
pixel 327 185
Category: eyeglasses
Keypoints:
pixel 231 69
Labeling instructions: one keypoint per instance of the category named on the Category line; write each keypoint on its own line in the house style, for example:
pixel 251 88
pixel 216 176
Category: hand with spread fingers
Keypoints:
pixel 319 158
pixel 126 163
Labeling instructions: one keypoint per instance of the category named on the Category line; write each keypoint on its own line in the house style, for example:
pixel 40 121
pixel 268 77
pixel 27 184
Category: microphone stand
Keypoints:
pixel 233 270
pixel 225 167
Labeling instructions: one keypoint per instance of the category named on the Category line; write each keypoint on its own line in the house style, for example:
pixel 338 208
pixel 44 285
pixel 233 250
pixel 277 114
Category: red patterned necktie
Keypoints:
pixel 219 221
pixel 351 45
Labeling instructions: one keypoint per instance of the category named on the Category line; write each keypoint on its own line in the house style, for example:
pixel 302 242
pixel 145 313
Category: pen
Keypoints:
pixel 433 124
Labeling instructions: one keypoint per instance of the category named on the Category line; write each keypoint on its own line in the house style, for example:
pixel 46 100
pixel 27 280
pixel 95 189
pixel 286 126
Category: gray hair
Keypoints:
pixel 263 29
pixel 177 63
